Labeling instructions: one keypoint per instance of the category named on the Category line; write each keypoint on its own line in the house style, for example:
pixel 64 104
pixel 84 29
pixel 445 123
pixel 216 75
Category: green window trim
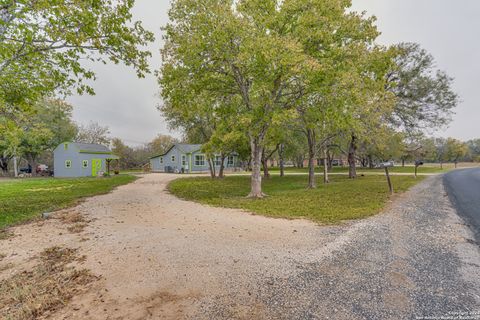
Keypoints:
pixel 184 160
pixel 68 164
pixel 199 160
pixel 231 161
pixel 84 164
pixel 65 146
pixel 172 158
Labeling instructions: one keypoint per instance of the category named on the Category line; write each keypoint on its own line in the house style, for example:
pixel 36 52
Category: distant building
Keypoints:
pixel 189 158
pixel 74 159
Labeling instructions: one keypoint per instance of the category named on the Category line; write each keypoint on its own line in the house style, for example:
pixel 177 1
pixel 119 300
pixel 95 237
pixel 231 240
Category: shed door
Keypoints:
pixel 96 166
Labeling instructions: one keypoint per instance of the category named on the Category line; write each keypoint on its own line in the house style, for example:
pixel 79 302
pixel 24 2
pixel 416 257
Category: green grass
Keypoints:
pixel 360 170
pixel 342 199
pixel 25 199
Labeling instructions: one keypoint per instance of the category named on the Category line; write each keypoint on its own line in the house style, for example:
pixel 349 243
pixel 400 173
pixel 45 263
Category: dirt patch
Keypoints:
pixel 75 220
pixel 5 234
pixel 50 285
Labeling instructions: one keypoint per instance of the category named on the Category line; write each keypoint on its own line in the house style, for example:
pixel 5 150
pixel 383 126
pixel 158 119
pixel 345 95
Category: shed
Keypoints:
pixel 75 159
pixel 188 158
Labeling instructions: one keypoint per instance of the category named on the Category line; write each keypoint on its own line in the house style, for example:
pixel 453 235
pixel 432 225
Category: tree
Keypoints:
pixel 160 144
pixel 440 150
pixel 43 42
pixel 257 54
pixel 474 149
pixel 93 133
pixel 125 153
pixel 231 49
pixel 455 150
pixel 47 126
pixel 425 98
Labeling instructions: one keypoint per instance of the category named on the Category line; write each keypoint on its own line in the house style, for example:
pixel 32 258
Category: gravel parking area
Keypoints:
pixel 160 257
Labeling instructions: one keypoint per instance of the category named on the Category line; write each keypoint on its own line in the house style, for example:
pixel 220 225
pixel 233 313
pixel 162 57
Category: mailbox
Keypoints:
pixel 418 163
pixel 387 164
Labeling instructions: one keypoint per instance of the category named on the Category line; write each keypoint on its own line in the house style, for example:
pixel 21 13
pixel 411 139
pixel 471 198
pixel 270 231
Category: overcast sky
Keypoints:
pixel 447 29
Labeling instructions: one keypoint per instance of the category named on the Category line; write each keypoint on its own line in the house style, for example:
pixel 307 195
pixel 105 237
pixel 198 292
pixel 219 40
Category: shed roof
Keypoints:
pixel 183 147
pixel 90 147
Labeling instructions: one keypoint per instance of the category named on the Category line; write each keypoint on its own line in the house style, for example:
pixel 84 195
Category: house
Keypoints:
pixel 74 159
pixel 189 158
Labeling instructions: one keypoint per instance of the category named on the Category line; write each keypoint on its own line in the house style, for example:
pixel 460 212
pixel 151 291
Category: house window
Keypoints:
pixel 218 161
pixel 173 158
pixel 199 160
pixel 231 161
pixel 68 164
pixel 65 146
pixel 84 163
pixel 161 160
pixel 184 160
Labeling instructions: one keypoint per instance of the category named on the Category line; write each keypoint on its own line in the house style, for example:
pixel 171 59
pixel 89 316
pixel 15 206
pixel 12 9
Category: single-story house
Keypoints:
pixel 189 158
pixel 74 159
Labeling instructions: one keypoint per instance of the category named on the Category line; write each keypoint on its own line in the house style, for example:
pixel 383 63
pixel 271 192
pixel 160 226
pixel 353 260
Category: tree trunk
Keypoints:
pixel 221 173
pixel 282 164
pixel 211 166
pixel 266 173
pixel 325 166
pixel 370 162
pixel 32 161
pixel 352 170
pixel 441 165
pixel 311 158
pixel 456 162
pixel 329 161
pixel 256 178
pixel 403 162
pixel 4 165
pixel 15 167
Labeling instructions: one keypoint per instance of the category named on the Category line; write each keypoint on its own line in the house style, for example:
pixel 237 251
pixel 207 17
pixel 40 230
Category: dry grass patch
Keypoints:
pixel 75 220
pixel 48 287
pixel 5 234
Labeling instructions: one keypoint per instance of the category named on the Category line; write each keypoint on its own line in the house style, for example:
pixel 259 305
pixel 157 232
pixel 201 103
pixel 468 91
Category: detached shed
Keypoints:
pixel 74 159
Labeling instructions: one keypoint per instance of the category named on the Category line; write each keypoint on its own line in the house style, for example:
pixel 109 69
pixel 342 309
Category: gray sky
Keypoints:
pixel 447 29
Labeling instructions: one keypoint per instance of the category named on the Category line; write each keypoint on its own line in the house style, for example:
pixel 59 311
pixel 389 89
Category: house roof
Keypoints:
pixel 183 147
pixel 91 148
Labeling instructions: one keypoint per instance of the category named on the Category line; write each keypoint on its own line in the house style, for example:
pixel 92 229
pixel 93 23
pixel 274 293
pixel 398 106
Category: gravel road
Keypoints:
pixel 160 257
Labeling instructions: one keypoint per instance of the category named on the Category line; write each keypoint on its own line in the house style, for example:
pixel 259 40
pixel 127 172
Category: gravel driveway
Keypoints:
pixel 160 257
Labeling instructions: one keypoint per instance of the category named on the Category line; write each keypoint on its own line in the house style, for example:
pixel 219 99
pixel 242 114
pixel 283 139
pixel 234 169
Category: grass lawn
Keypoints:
pixel 342 199
pixel 25 199
pixel 360 170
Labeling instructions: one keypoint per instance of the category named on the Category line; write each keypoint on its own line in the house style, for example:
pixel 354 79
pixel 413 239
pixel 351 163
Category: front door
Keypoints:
pixel 96 166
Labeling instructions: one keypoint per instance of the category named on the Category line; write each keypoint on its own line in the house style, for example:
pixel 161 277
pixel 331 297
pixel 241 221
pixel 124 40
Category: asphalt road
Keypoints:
pixel 463 188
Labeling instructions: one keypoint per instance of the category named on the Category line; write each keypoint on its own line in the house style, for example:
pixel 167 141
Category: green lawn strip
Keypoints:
pixel 25 199
pixel 360 170
pixel 342 199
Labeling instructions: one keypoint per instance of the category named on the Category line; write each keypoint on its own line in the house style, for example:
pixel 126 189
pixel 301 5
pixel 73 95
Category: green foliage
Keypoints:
pixel 425 98
pixel 22 200
pixel 342 199
pixel 42 44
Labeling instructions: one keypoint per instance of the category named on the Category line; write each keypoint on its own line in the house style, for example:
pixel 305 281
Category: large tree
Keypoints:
pixel 236 49
pixel 42 43
pixel 93 132
pixel 256 53
pixel 425 98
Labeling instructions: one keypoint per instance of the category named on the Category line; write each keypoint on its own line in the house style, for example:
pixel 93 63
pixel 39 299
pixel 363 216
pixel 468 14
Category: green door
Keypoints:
pixel 96 166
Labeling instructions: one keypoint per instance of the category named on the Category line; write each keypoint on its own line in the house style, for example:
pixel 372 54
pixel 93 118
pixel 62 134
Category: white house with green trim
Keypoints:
pixel 188 158
pixel 74 159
